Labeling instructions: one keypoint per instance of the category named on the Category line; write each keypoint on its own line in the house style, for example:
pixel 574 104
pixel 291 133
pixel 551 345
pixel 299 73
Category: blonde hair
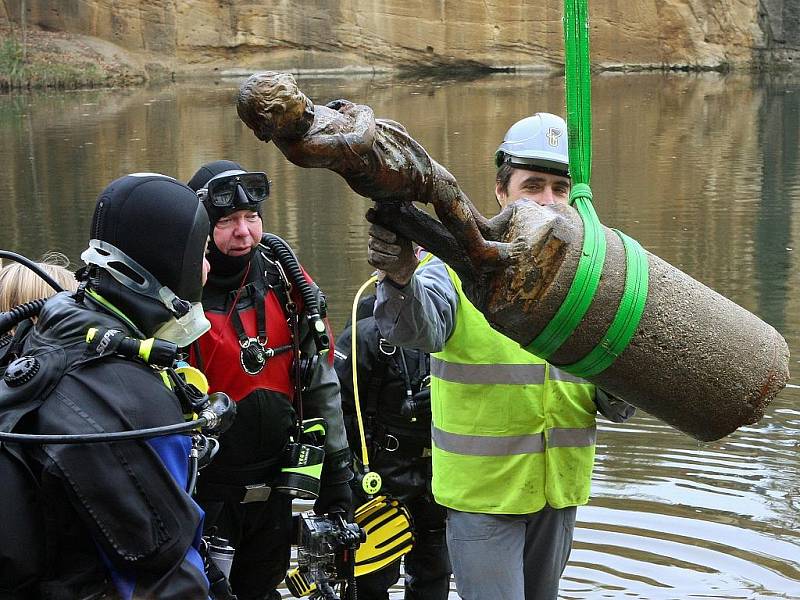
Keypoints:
pixel 19 284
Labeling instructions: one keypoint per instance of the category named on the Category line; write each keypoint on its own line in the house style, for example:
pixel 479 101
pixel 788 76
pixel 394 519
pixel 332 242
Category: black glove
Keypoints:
pixel 612 408
pixel 334 498
pixel 392 254
pixel 419 405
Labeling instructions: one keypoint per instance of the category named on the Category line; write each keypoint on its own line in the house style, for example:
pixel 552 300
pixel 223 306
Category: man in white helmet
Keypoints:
pixel 513 436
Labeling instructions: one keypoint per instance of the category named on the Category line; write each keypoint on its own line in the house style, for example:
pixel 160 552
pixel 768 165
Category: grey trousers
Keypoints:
pixel 509 557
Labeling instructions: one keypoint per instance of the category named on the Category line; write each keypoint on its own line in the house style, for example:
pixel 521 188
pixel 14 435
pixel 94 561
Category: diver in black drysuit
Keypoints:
pixel 115 519
pixel 395 404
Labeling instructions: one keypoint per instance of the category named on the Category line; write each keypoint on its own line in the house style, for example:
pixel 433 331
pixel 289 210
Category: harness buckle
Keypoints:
pixel 391 443
pixel 257 492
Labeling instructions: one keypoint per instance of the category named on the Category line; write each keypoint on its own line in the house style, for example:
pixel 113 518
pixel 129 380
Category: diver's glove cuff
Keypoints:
pixel 334 498
pixel 612 408
pixel 337 467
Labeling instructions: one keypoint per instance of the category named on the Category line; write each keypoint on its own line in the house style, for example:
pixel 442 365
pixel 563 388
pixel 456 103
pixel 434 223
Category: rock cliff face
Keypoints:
pixel 385 34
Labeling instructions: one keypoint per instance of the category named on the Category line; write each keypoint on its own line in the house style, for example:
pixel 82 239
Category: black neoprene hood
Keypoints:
pixel 158 222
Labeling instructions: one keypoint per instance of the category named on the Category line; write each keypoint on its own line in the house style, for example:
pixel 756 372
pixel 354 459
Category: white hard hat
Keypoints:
pixel 538 142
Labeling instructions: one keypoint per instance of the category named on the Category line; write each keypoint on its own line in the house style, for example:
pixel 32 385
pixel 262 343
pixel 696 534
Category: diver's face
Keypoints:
pixel 238 233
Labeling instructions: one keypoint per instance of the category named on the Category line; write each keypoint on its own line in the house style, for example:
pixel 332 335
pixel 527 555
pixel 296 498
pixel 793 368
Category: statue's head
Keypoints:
pixel 271 105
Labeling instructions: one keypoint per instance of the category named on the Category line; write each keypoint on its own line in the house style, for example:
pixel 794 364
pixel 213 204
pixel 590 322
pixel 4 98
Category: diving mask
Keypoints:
pixel 188 320
pixel 222 191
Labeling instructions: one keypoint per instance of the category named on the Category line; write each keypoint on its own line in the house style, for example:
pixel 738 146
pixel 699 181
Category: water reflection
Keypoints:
pixel 703 170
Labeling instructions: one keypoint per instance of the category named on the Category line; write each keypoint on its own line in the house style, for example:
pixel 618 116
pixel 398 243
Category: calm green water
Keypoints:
pixel 703 170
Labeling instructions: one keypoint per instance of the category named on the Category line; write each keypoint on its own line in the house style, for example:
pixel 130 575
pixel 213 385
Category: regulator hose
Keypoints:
pixel 215 418
pixel 290 264
pixel 97 438
pixel 33 267
pixel 15 316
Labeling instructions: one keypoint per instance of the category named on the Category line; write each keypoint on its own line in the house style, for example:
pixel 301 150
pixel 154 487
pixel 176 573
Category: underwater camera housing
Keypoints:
pixel 326 550
pixel 302 461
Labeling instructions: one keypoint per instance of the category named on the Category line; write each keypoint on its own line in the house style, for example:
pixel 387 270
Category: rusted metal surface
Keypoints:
pixel 697 360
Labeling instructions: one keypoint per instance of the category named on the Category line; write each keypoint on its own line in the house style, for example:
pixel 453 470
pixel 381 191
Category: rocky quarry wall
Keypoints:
pixel 385 34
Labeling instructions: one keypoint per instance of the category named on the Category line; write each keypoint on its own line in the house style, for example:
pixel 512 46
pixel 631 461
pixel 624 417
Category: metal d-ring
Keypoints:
pixel 382 344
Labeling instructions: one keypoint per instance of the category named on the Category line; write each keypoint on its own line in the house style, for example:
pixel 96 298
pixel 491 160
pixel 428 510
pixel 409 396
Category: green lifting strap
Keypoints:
pixel 578 89
pixel 587 278
pixel 631 307
pixel 590 264
pixel 579 124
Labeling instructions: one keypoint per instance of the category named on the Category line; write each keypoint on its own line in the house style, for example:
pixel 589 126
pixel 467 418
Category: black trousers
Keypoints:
pixel 427 565
pixel 261 534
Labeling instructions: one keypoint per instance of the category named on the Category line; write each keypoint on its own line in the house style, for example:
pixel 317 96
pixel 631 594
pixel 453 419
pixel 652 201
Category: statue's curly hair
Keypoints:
pixel 270 102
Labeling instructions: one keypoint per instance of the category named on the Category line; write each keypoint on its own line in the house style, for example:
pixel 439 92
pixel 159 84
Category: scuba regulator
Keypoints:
pixel 214 413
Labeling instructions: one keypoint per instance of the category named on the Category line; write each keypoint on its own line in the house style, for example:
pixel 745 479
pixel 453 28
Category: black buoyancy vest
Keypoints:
pixel 24 386
pixel 393 374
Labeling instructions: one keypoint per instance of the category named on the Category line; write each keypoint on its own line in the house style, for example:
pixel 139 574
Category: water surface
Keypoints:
pixel 703 170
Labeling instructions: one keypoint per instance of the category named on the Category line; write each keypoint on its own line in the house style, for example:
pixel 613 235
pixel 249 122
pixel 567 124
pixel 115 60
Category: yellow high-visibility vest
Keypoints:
pixel 511 432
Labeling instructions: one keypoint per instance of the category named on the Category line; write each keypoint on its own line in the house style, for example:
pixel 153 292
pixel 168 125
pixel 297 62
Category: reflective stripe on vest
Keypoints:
pixel 510 433
pixel 498 374
pixel 487 374
pixel 482 445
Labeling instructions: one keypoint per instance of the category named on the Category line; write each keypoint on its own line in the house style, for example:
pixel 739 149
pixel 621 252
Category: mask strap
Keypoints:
pixel 105 255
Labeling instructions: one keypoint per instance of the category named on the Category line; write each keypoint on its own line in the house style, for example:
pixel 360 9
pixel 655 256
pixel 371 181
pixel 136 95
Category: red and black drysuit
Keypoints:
pixel 244 304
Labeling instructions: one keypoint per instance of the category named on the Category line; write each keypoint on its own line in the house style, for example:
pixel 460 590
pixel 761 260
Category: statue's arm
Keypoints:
pixel 334 138
pixel 343 124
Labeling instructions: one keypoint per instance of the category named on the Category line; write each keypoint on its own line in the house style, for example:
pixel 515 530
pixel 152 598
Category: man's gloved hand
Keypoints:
pixel 391 254
pixel 334 498
pixel 613 408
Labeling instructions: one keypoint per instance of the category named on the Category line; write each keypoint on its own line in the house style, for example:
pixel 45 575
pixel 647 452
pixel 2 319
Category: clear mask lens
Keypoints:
pixel 222 190
pixel 187 329
pixel 224 197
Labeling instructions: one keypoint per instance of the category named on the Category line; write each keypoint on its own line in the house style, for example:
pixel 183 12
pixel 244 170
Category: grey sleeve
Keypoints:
pixel 321 398
pixel 422 314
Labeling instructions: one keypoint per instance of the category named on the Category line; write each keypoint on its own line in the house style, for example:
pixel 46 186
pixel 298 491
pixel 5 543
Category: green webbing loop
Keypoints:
pixel 593 252
pixel 581 292
pixel 580 190
pixel 578 92
pixel 631 307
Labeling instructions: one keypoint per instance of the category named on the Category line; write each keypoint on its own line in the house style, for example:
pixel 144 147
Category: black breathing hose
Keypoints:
pixel 290 264
pixel 33 267
pixel 13 317
pixel 194 464
pixel 96 438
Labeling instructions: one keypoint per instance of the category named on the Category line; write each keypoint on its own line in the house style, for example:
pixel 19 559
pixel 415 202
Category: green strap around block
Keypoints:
pixel 631 307
pixel 587 278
